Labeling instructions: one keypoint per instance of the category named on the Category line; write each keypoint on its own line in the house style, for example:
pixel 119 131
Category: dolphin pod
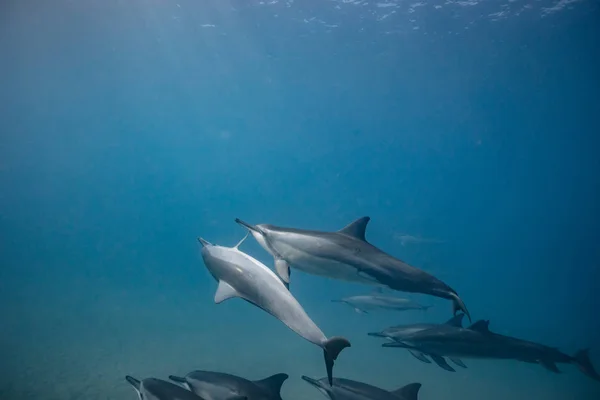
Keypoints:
pixel 346 255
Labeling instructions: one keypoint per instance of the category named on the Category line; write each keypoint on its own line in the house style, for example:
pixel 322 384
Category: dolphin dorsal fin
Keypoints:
pixel 408 392
pixel 456 321
pixel 237 246
pixel 273 383
pixel 356 229
pixel 224 292
pixel 482 326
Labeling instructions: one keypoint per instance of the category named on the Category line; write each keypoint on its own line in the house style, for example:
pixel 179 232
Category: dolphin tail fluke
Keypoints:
pixel 459 305
pixel 331 350
pixel 582 359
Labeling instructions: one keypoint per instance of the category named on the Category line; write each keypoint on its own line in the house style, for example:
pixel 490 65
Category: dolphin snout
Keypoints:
pixel 246 225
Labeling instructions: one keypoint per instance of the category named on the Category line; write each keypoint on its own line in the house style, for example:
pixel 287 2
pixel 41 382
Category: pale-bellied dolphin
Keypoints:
pixel 240 275
pixel 398 332
pixel 347 389
pixel 157 389
pixel 477 341
pixel 377 300
pixel 222 386
pixel 346 255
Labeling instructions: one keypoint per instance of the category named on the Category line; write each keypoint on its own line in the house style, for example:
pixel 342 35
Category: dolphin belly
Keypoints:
pixel 320 266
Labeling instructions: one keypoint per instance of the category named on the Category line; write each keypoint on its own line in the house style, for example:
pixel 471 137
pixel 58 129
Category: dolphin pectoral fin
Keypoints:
pixel 582 359
pixel 283 270
pixel 441 363
pixel 356 229
pixel 550 366
pixel 273 384
pixel 331 350
pixel 359 311
pixel 419 356
pixel 224 292
pixel 458 362
pixel 408 392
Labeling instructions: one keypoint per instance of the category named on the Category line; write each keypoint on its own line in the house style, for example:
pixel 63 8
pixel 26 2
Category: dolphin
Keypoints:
pixel 477 341
pixel 346 389
pixel 240 275
pixel 398 332
pixel 157 389
pixel 363 304
pixel 346 255
pixel 221 386
pixel 410 239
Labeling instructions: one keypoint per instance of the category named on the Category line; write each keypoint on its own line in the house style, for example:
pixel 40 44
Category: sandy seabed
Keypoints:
pixel 84 351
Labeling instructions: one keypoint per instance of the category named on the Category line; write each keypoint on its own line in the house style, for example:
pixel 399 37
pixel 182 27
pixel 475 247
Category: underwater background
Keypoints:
pixel 130 128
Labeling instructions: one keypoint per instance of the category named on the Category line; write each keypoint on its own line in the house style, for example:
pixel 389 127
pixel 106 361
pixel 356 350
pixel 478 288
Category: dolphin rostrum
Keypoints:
pixel 346 389
pixel 222 386
pixel 240 275
pixel 399 332
pixel 346 255
pixel 157 389
pixel 377 300
pixel 477 341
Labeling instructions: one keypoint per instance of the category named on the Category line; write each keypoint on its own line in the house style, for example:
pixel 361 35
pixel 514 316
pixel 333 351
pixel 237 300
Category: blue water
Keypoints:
pixel 127 129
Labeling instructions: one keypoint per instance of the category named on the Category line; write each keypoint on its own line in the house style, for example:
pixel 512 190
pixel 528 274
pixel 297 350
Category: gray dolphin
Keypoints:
pixel 240 275
pixel 398 332
pixel 477 341
pixel 157 389
pixel 347 389
pixel 377 300
pixel 346 255
pixel 221 386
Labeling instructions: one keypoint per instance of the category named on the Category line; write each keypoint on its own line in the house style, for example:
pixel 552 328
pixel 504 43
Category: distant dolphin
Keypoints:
pixel 157 389
pixel 346 389
pixel 346 255
pixel 477 341
pixel 399 332
pixel 377 300
pixel 410 239
pixel 240 275
pixel 221 386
